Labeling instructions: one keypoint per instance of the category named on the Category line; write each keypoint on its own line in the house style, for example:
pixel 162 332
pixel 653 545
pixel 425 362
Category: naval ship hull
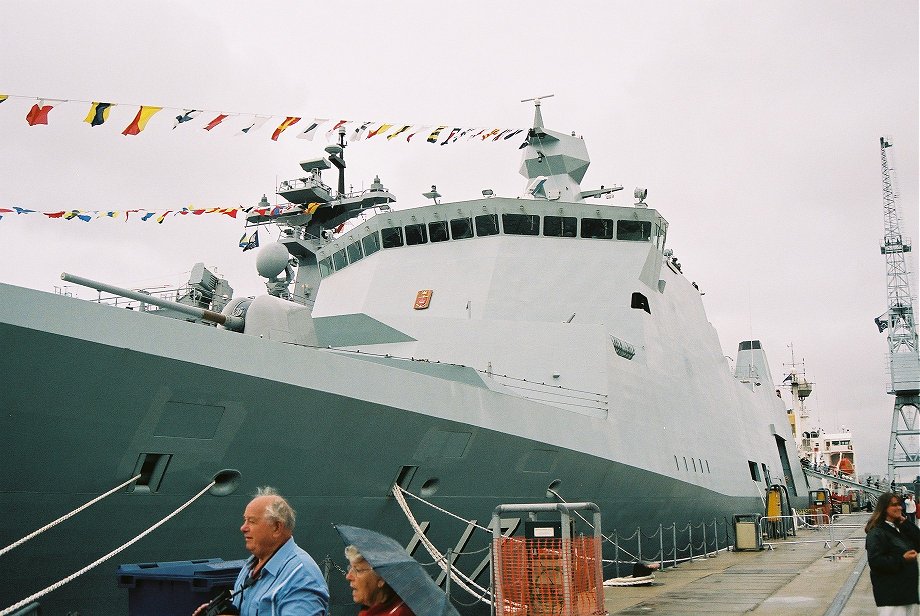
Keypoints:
pixel 91 392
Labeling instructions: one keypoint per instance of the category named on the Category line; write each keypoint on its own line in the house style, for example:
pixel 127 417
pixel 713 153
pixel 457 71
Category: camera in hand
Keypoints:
pixel 221 604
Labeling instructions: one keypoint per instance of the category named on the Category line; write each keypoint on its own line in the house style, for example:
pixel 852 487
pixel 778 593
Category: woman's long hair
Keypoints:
pixel 881 506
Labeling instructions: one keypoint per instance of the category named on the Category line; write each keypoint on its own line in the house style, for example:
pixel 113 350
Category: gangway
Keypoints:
pixel 850 483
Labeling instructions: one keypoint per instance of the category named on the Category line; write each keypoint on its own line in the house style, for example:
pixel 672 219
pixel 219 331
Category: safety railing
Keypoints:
pixel 816 522
pixel 548 574
pixel 687 543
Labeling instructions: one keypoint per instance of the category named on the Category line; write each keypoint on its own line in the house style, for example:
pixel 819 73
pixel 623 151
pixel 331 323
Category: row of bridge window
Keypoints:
pixel 486 225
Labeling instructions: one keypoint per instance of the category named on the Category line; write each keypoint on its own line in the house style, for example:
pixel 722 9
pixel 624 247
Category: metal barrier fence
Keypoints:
pixel 547 574
pixel 821 521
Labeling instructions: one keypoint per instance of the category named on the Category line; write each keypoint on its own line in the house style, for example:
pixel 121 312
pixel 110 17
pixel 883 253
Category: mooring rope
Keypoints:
pixel 456 575
pixel 99 561
pixel 445 511
pixel 66 516
pixel 604 537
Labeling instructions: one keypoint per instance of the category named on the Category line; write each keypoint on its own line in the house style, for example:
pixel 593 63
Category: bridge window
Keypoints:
pixel 325 267
pixel 416 234
pixel 661 233
pixel 634 230
pixel 461 228
pixel 755 470
pixel 392 237
pixel 437 231
pixel 597 228
pixel 560 226
pixel 354 252
pixel 339 259
pixel 371 243
pixel 487 224
pixel 521 224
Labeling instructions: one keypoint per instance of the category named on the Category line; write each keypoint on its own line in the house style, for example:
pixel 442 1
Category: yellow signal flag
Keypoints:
pixel 140 120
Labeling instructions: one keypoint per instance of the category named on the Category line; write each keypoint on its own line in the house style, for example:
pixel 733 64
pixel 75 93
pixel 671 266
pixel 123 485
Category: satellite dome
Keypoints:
pixel 272 260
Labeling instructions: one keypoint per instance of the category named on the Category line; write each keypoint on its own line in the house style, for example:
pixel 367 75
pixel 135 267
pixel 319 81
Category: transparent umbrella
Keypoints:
pixel 403 573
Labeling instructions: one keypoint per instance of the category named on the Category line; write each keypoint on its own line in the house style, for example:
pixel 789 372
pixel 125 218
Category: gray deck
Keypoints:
pixel 792 579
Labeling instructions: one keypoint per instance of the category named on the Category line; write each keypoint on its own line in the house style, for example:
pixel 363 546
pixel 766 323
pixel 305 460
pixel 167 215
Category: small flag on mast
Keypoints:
pixel 248 243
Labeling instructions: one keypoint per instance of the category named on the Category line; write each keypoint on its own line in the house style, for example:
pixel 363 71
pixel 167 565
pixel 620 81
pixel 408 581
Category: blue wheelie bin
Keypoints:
pixel 175 588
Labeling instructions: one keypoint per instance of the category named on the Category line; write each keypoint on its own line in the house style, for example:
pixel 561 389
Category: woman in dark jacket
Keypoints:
pixel 891 546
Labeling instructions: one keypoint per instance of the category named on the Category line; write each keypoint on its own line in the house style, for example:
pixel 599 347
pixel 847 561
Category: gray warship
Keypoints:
pixel 475 353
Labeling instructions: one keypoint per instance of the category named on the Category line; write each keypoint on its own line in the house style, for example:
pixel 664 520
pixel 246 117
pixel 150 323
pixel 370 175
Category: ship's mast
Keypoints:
pixel 904 445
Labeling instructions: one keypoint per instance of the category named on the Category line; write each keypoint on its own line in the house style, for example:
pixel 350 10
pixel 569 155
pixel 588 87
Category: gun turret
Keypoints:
pixel 233 323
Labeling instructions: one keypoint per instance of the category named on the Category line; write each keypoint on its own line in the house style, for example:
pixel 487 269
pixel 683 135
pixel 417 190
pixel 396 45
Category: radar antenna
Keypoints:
pixel 904 446
pixel 537 116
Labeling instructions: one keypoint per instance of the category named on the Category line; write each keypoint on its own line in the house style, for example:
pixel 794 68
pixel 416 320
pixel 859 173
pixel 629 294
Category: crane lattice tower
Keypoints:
pixel 904 446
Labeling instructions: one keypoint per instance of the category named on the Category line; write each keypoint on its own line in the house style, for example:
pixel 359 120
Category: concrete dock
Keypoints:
pixel 819 572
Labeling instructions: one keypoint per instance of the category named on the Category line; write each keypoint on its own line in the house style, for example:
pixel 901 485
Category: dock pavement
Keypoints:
pixel 819 571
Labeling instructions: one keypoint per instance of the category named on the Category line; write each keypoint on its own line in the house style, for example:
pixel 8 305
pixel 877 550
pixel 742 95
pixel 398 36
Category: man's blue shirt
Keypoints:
pixel 290 583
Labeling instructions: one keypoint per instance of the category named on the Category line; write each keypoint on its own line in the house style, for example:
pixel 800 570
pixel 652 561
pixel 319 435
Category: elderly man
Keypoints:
pixel 280 578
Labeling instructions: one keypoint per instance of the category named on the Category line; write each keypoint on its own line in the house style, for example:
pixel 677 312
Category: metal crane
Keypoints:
pixel 904 446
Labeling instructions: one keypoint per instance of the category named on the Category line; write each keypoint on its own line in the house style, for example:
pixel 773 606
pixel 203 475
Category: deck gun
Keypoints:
pixel 231 322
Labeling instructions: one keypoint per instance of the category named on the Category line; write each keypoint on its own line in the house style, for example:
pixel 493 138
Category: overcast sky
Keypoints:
pixel 754 126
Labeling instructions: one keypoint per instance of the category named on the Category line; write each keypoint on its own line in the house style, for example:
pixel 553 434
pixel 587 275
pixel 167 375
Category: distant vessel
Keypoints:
pixel 830 453
pixel 498 350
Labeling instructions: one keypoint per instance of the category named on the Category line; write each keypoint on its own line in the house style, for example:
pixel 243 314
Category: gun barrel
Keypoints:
pixel 234 323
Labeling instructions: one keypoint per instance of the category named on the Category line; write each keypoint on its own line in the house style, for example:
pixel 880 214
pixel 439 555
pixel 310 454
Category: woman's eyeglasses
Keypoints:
pixel 357 571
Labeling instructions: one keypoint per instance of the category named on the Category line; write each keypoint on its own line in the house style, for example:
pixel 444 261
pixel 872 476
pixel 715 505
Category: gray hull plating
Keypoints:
pixel 86 398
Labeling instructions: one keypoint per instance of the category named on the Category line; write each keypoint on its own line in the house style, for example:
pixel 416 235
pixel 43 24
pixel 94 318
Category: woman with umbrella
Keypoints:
pixel 369 589
pixel 386 580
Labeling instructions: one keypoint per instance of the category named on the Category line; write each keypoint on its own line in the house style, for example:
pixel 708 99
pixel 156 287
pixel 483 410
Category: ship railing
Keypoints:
pixel 172 294
pixel 300 183
pixel 578 400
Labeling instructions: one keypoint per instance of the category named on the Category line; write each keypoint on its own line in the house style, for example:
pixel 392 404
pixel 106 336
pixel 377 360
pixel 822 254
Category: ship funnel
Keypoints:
pixel 225 482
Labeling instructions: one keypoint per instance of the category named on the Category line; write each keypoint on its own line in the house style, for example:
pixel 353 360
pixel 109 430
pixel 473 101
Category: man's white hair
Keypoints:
pixel 278 509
